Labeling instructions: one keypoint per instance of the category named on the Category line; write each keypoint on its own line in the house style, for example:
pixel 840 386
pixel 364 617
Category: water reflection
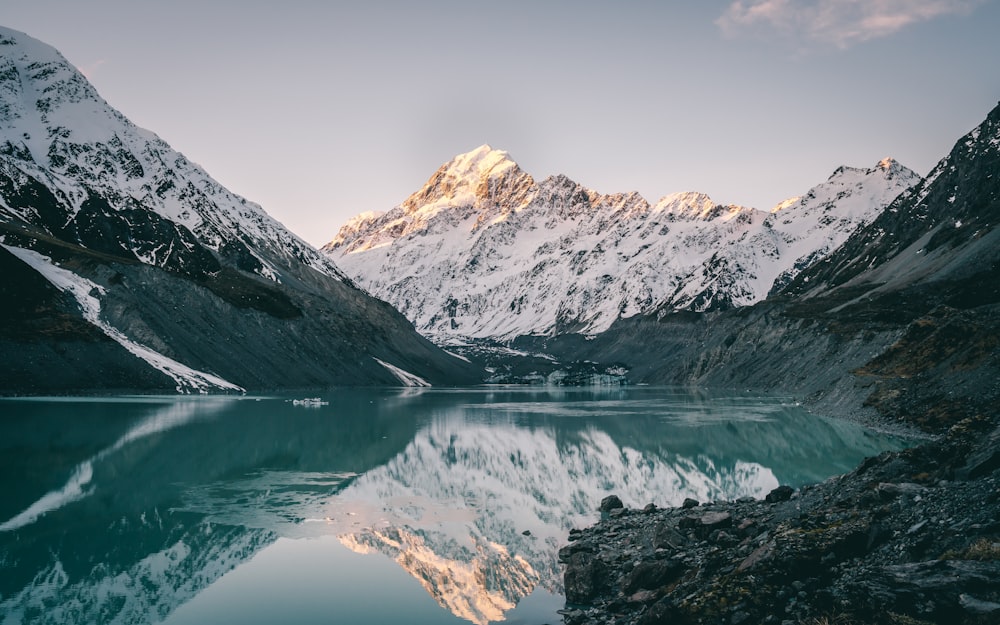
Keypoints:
pixel 122 511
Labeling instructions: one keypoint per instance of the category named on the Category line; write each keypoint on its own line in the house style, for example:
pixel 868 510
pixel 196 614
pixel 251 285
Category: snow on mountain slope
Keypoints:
pixel 185 378
pixel 76 168
pixel 202 289
pixel 797 233
pixel 483 250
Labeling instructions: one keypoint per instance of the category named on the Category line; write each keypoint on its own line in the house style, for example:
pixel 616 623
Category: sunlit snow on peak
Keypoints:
pixel 483 251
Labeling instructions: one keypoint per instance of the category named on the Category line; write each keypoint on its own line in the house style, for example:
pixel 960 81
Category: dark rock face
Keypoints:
pixel 611 502
pixel 652 575
pixel 42 326
pixel 136 233
pixel 583 577
pixel 890 542
pixel 781 493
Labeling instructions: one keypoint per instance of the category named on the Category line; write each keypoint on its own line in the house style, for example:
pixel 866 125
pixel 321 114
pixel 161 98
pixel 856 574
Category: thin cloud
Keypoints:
pixel 841 23
pixel 90 70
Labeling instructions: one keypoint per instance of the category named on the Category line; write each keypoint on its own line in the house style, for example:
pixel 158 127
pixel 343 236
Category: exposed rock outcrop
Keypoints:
pixel 902 539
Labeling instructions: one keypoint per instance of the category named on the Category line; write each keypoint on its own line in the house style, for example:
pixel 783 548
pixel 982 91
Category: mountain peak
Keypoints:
pixel 485 177
pixel 39 50
pixel 888 163
pixel 888 168
pixel 42 88
pixel 482 161
pixel 692 205
pixel 894 169
pixel 855 193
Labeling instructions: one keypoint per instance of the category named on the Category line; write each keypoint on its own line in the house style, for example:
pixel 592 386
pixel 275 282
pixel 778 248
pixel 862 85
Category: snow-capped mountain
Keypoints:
pixel 941 231
pixel 78 169
pixel 900 319
pixel 483 250
pixel 798 232
pixel 126 229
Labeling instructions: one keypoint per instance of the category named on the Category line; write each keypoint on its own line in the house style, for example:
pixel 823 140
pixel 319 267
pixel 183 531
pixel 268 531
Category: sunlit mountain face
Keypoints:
pixel 484 251
pixel 141 510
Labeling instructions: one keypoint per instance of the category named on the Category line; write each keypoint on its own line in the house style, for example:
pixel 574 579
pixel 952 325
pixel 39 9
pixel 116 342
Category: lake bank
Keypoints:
pixel 907 537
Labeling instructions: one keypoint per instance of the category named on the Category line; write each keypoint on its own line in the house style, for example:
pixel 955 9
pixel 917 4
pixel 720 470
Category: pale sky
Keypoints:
pixel 321 110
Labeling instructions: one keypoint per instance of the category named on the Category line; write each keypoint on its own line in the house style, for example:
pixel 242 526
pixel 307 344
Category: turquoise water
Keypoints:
pixel 374 506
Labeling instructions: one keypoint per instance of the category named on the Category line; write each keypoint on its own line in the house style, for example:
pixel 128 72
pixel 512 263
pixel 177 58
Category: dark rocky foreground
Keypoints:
pixel 908 537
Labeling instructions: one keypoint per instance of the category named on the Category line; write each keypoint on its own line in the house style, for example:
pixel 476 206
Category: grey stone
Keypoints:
pixel 652 575
pixel 716 520
pixel 978 606
pixel 611 502
pixel 781 493
pixel 582 576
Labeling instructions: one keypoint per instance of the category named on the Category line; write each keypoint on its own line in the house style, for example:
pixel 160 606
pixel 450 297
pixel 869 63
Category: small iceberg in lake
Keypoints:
pixel 310 402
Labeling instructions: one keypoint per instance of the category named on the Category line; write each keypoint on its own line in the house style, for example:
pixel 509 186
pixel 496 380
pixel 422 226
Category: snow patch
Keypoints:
pixel 405 377
pixel 85 292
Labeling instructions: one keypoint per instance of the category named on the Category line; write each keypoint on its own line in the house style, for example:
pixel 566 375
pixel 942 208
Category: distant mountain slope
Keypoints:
pixel 941 234
pixel 903 318
pixel 152 253
pixel 483 250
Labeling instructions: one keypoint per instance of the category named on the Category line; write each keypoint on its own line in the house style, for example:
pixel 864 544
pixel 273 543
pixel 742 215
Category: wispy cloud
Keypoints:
pixel 92 68
pixel 841 23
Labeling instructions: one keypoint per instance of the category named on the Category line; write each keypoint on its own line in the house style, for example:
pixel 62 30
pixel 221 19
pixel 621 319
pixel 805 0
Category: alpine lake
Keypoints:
pixel 417 506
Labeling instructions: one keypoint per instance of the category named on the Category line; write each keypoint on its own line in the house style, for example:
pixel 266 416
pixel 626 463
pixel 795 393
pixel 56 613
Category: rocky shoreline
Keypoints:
pixel 909 537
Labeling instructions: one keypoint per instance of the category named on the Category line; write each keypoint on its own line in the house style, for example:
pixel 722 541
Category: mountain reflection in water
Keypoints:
pixel 123 510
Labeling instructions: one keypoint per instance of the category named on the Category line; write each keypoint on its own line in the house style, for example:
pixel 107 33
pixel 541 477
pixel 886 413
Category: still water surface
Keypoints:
pixel 380 506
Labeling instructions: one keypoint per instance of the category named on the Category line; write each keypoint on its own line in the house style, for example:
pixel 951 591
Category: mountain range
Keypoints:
pixel 485 251
pixel 901 322
pixel 127 266
pixel 875 292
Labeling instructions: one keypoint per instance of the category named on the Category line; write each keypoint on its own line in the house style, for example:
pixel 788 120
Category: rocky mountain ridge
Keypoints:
pixel 163 279
pixel 483 250
pixel 77 169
